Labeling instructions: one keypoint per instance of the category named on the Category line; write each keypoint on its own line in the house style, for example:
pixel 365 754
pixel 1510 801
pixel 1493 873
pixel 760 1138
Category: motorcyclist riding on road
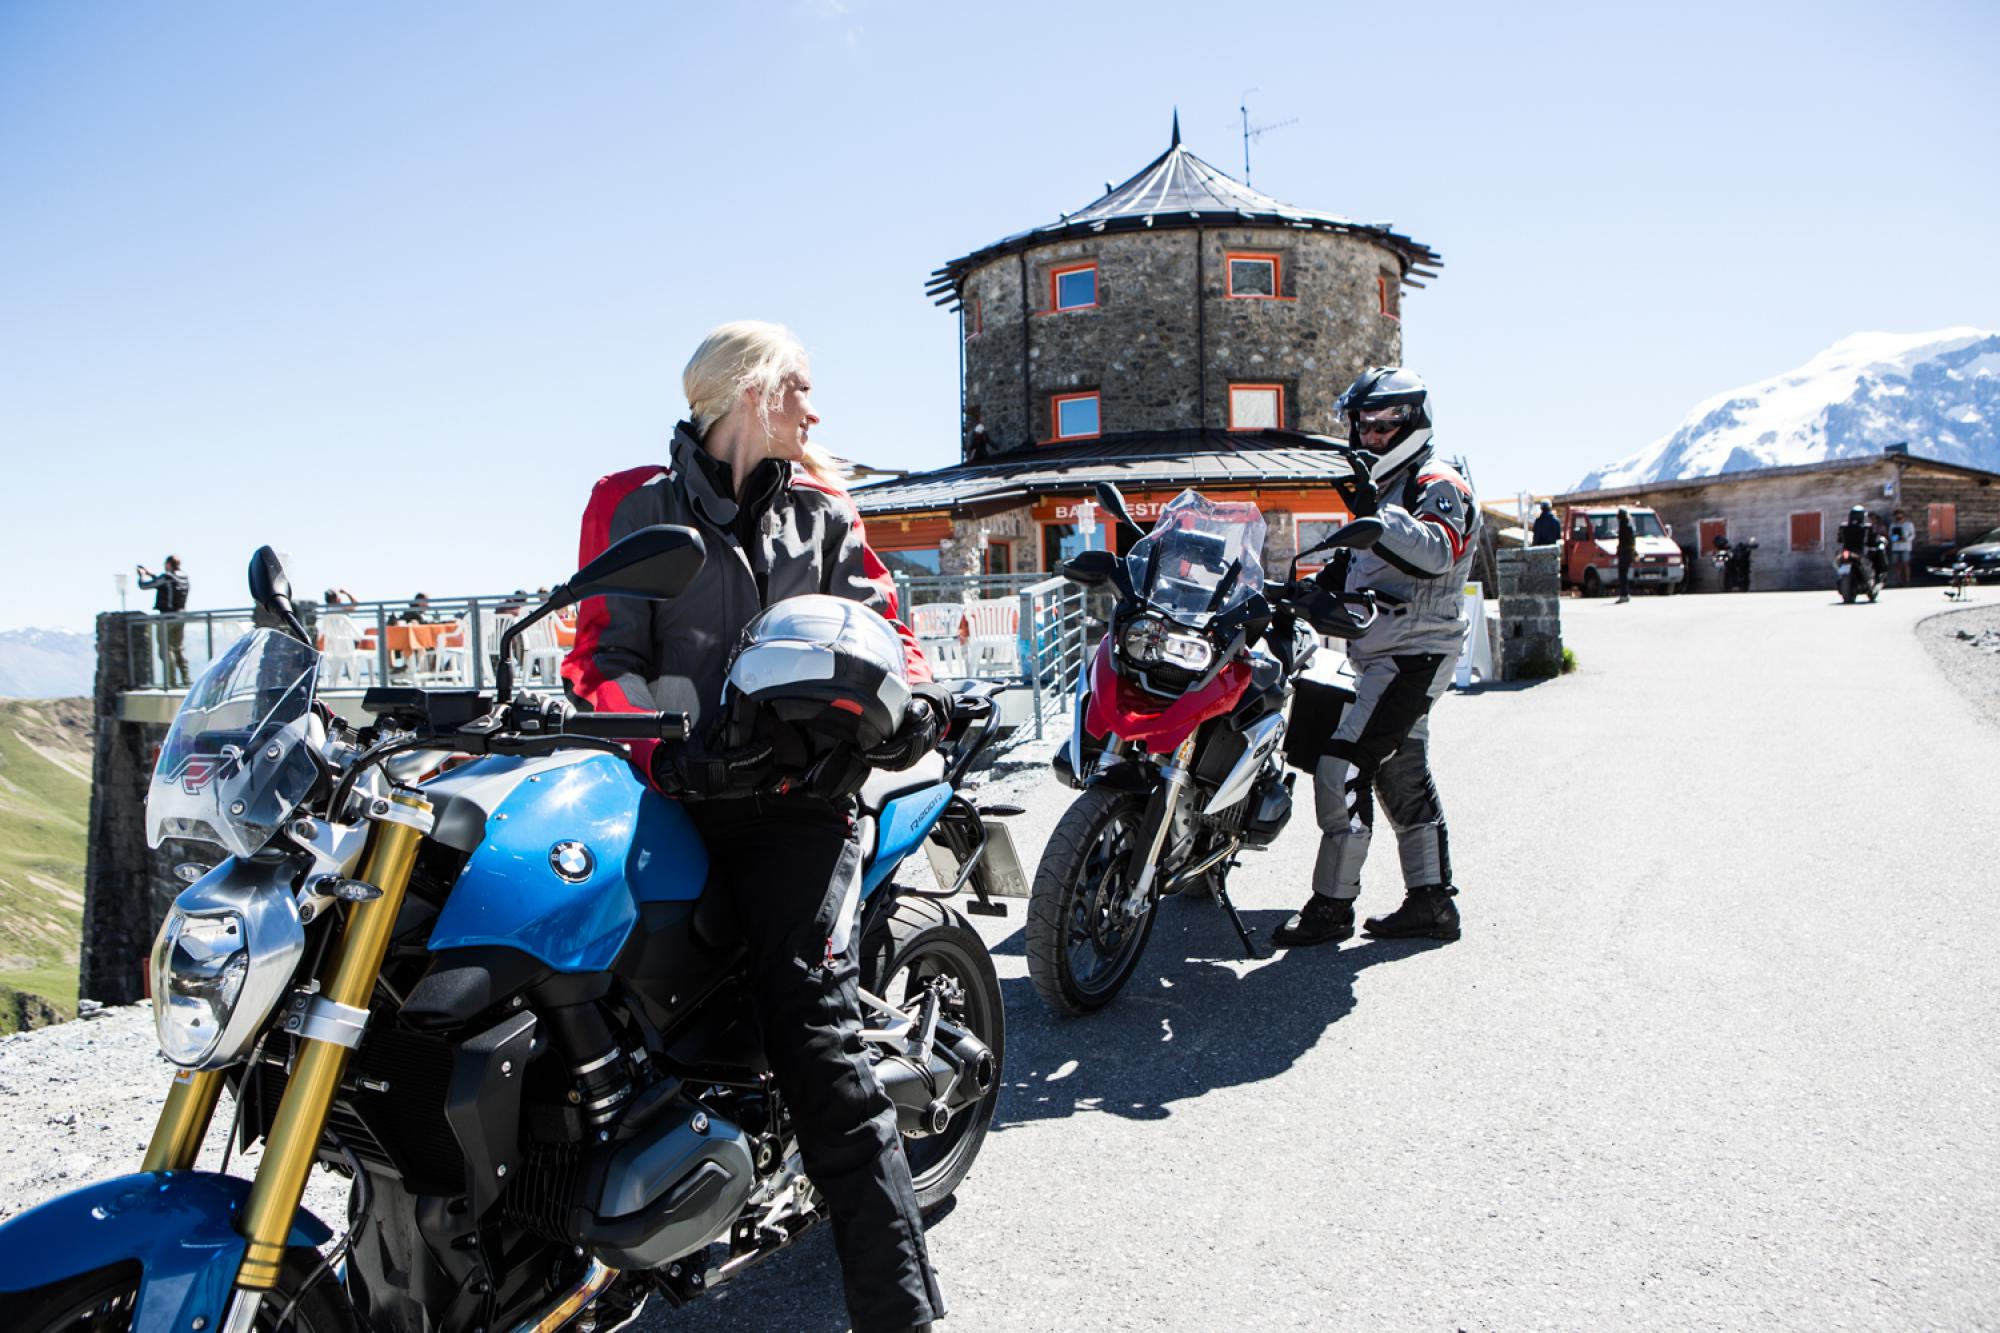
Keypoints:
pixel 1417 570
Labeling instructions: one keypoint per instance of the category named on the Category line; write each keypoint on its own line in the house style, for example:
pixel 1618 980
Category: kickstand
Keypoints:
pixel 1242 931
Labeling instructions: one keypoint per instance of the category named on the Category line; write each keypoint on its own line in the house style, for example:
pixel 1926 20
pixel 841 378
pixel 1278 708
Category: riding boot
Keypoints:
pixel 1427 913
pixel 1323 918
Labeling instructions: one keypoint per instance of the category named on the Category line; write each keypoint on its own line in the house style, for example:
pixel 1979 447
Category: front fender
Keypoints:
pixel 179 1226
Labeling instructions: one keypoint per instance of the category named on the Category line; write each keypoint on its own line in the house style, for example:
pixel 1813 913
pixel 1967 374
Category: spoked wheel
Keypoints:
pixel 922 945
pixel 103 1301
pixel 1082 946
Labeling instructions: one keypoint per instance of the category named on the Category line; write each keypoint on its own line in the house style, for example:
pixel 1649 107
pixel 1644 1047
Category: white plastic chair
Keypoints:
pixel 995 645
pixel 450 659
pixel 347 662
pixel 938 626
pixel 541 655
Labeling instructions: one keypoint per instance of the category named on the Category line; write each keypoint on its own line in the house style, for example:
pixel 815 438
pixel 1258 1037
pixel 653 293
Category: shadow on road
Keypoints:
pixel 1194 1017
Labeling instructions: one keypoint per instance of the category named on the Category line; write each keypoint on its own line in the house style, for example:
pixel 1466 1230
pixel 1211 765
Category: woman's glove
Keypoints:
pixel 923 724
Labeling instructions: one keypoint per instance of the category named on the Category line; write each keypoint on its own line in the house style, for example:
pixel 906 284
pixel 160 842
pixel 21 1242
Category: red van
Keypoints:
pixel 1590 551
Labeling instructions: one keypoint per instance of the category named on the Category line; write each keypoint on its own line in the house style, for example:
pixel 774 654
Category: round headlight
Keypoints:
pixel 199 965
pixel 1142 639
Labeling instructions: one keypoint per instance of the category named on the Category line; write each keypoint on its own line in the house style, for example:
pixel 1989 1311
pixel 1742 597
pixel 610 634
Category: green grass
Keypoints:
pixel 44 814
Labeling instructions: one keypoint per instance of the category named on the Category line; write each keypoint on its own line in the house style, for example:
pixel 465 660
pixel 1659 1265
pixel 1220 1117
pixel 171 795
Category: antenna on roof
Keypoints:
pixel 1177 129
pixel 1249 133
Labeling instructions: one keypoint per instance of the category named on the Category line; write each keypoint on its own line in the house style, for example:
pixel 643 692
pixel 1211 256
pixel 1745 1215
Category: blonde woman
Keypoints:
pixel 743 472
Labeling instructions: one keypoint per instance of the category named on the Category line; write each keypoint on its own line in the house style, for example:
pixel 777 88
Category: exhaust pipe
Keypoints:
pixel 571 1303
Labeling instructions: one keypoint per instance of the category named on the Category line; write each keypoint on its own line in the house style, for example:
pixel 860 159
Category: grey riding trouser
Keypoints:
pixel 1381 750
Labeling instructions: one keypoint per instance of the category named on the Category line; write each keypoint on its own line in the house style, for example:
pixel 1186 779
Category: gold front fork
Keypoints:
pixel 183 1122
pixel 400 823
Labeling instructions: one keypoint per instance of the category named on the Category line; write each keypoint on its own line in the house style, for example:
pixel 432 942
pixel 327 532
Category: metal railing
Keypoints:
pixel 1033 635
pixel 167 650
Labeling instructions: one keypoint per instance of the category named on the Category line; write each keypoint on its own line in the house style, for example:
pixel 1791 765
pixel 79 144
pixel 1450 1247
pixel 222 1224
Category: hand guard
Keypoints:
pixel 923 725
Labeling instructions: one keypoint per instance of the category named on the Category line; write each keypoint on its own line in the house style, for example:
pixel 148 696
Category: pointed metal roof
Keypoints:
pixel 1177 190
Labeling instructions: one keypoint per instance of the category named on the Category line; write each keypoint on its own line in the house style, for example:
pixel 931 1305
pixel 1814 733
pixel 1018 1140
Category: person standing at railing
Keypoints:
pixel 170 597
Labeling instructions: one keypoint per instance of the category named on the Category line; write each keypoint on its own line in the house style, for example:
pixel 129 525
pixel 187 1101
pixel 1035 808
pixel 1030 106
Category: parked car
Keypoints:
pixel 1590 551
pixel 1980 556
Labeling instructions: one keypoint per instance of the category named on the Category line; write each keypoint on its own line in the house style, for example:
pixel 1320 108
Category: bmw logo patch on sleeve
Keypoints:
pixel 572 862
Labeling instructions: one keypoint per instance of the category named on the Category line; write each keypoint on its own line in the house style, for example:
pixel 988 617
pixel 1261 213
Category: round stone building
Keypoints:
pixel 1148 339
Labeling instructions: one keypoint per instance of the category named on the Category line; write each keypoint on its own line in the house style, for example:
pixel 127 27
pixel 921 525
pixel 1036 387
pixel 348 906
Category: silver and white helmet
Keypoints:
pixel 1389 394
pixel 826 665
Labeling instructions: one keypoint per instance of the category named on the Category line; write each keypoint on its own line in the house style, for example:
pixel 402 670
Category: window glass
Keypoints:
pixel 999 559
pixel 1060 541
pixel 1076 416
pixel 1253 277
pixel 915 564
pixel 1077 287
pixel 1255 406
pixel 1643 525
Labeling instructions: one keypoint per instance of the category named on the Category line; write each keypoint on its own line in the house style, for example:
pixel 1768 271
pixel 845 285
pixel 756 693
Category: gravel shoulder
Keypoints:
pixel 1966 647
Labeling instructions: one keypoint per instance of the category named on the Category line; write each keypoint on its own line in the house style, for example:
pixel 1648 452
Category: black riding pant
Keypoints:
pixel 792 869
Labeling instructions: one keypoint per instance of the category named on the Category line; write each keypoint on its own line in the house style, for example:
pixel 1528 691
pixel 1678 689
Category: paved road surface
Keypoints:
pixel 1718 1049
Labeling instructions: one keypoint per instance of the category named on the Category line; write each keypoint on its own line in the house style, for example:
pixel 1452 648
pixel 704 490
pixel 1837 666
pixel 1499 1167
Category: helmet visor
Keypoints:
pixel 1381 421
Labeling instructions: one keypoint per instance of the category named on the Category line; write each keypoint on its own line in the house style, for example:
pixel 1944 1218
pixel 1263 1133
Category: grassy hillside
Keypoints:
pixel 44 813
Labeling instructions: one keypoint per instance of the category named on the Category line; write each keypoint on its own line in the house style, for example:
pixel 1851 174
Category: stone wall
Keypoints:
pixel 1530 633
pixel 1144 345
pixel 1978 504
pixel 127 886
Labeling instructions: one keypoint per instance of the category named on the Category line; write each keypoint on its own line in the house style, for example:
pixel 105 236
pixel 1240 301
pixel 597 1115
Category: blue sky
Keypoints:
pixel 389 285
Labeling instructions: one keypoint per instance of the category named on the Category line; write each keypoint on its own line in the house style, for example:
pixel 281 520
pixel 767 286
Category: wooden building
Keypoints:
pixel 1796 512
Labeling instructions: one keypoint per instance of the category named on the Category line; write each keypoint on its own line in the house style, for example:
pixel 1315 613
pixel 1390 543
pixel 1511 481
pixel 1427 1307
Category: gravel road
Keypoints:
pixel 1716 1050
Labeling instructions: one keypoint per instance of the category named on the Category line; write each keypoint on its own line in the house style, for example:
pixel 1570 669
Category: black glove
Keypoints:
pixel 923 723
pixel 1361 496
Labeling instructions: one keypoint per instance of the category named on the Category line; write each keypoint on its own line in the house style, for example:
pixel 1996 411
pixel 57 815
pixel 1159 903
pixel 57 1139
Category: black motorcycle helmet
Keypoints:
pixel 1389 394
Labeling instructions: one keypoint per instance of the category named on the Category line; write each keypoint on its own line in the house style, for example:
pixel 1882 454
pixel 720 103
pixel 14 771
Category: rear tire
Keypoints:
pixel 1082 871
pixel 102 1301
pixel 918 939
pixel 1847 589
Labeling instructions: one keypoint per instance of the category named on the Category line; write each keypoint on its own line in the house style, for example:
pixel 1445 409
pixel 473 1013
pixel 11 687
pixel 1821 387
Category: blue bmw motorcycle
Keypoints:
pixel 464 957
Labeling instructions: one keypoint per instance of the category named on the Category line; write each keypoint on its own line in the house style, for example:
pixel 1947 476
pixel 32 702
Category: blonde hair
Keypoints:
pixel 749 354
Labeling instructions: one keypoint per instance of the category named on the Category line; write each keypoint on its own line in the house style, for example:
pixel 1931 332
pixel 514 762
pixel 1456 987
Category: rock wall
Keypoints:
pixel 1530 640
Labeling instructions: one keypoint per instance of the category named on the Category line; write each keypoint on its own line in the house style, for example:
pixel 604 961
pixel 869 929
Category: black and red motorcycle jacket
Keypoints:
pixel 792 535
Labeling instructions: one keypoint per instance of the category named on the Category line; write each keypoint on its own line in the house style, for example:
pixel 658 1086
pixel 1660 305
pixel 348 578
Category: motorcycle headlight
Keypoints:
pixel 199 964
pixel 1149 642
pixel 222 960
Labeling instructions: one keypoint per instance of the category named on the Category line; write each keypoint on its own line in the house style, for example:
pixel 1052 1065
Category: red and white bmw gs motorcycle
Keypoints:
pixel 1178 726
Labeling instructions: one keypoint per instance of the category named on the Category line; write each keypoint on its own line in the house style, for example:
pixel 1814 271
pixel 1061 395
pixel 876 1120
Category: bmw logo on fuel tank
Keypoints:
pixel 572 861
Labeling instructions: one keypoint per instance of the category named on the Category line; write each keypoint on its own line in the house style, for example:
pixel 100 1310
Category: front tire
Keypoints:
pixel 1081 951
pixel 1847 589
pixel 1593 586
pixel 918 940
pixel 102 1301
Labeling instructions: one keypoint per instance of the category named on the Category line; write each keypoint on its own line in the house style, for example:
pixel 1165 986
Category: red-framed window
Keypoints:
pixel 1941 520
pixel 1075 416
pixel 1389 295
pixel 1256 406
pixel 1255 277
pixel 1711 528
pixel 1073 286
pixel 997 559
pixel 975 319
pixel 1806 530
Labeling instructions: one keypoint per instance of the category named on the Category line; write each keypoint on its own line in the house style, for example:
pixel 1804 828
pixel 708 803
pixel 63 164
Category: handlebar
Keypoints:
pixel 665 726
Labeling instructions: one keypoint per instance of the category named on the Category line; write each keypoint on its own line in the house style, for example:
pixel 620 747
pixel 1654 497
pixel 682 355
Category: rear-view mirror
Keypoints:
pixel 656 563
pixel 1091 568
pixel 1113 501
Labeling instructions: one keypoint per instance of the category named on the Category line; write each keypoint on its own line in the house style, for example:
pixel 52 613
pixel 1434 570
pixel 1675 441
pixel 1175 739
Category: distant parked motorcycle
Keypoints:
pixel 1176 737
pixel 1857 574
pixel 1732 563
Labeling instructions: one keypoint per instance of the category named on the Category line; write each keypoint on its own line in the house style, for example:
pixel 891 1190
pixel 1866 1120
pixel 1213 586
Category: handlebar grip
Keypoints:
pixel 667 726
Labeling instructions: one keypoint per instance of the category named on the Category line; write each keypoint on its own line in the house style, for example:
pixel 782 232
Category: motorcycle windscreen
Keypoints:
pixel 566 860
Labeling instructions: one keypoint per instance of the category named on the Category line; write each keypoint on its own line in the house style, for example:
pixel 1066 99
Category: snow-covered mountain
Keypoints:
pixel 46 664
pixel 1939 391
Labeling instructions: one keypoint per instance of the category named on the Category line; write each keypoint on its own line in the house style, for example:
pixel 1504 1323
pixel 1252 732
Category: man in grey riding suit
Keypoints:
pixel 1404 661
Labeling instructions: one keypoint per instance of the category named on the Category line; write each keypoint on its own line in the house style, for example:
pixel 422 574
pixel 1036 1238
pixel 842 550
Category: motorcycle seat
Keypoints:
pixel 884 786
